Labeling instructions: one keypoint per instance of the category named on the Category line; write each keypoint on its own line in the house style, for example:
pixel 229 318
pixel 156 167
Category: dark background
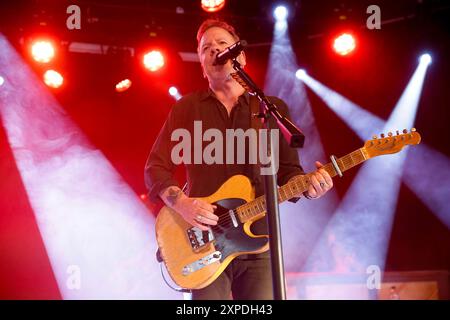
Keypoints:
pixel 124 125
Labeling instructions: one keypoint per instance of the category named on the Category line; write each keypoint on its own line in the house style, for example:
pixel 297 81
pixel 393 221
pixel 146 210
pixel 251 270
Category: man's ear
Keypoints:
pixel 242 59
pixel 203 71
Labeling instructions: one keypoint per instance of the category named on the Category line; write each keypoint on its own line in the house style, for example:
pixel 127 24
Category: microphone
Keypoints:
pixel 230 53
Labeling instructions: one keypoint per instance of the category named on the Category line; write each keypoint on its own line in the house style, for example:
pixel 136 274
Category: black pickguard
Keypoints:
pixel 228 238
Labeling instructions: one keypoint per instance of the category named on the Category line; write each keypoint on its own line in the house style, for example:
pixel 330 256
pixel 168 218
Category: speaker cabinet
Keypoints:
pixel 411 285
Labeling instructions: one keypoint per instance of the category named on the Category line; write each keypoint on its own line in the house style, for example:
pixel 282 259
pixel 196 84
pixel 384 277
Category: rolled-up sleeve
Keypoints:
pixel 159 168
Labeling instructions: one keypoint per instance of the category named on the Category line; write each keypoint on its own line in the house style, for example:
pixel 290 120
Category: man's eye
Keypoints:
pixel 204 49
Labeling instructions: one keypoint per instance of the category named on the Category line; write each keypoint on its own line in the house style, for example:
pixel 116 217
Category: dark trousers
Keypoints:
pixel 245 278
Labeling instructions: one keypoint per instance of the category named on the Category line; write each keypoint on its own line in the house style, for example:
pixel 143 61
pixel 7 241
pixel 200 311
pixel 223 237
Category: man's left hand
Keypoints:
pixel 321 182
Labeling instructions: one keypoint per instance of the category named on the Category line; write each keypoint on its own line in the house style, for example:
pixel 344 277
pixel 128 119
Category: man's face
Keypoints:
pixel 215 40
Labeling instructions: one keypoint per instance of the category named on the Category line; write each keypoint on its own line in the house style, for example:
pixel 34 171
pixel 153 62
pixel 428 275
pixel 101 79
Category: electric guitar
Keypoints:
pixel 195 258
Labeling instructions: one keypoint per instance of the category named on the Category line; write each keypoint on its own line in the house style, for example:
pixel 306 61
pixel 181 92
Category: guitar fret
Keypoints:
pixel 285 195
pixel 291 190
pixel 260 206
pixel 303 184
pixel 351 159
pixel 341 164
pixel 288 191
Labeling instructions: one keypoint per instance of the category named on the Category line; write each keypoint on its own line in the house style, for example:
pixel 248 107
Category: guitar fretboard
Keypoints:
pixel 297 185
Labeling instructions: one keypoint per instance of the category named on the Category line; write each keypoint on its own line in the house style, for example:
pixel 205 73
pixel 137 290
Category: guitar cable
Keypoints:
pixel 169 285
pixel 160 260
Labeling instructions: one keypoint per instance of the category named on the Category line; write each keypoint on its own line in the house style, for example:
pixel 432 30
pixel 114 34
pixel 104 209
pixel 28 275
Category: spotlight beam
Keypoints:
pixel 304 219
pixel 361 226
pixel 424 159
pixel 362 122
pixel 90 220
pixel 422 164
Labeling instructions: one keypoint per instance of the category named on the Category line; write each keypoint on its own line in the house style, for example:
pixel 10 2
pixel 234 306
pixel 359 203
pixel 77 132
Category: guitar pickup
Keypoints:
pixel 199 238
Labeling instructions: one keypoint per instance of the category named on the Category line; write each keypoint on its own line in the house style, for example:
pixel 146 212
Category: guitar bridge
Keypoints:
pixel 199 238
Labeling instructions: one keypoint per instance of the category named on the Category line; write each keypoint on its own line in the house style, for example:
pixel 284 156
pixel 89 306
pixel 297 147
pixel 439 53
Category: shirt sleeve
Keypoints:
pixel 159 168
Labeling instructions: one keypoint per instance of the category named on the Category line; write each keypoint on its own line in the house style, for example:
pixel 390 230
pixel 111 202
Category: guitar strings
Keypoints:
pixel 347 162
pixel 227 219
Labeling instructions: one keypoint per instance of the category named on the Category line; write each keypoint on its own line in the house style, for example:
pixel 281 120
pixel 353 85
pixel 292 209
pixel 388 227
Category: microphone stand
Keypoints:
pixel 295 139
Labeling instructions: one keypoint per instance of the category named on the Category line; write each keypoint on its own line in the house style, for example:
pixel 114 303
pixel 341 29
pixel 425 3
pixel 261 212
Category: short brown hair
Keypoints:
pixel 210 23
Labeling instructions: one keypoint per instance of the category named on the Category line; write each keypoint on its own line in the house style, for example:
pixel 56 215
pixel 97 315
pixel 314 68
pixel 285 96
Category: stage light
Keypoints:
pixel 280 13
pixel 300 74
pixel 53 78
pixel 42 51
pixel 425 58
pixel 123 85
pixel 154 60
pixel 173 91
pixel 2 80
pixel 212 5
pixel 344 44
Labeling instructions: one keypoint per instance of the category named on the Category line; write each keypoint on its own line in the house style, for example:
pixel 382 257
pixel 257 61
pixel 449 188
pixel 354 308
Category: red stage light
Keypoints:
pixel 42 51
pixel 212 5
pixel 154 60
pixel 123 85
pixel 344 44
pixel 53 79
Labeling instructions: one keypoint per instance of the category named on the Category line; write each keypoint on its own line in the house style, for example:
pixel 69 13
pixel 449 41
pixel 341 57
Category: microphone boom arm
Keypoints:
pixel 291 133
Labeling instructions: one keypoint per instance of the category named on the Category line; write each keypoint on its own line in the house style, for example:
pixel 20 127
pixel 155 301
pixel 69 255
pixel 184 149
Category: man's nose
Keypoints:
pixel 214 50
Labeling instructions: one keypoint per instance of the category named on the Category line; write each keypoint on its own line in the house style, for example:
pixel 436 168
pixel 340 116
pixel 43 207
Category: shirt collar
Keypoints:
pixel 210 94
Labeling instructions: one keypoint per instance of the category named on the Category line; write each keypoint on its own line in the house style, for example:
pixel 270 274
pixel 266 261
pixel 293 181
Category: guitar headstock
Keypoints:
pixel 391 143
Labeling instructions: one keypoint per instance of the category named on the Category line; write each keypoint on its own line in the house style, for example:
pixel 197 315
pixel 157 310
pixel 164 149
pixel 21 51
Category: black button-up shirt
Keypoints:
pixel 204 179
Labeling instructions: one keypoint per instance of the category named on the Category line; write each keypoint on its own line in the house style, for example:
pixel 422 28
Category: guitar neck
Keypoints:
pixel 299 184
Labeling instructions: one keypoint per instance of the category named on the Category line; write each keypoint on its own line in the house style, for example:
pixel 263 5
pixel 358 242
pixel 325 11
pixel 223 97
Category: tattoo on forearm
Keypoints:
pixel 173 195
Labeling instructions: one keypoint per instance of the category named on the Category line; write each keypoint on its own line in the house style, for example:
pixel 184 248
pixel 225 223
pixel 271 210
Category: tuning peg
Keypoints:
pixel 398 133
pixel 390 134
pixel 405 131
pixel 374 136
pixel 382 135
pixel 413 129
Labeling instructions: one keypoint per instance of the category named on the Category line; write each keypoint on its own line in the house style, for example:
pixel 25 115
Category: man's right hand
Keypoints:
pixel 196 212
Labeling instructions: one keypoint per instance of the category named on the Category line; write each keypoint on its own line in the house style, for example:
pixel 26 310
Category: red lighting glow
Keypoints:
pixel 212 5
pixel 154 60
pixel 123 85
pixel 53 79
pixel 344 44
pixel 42 51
